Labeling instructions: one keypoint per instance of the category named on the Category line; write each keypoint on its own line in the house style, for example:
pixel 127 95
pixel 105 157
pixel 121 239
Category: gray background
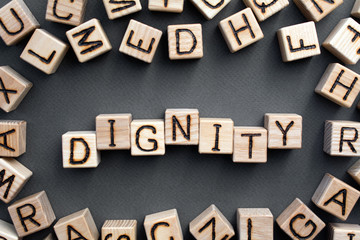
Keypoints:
pixel 243 86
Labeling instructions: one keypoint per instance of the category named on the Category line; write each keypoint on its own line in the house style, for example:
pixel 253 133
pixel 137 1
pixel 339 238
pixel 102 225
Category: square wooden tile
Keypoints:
pixel 12 138
pixel 163 225
pixel 265 9
pixel 67 12
pixel 339 231
pixel 116 9
pixel 119 229
pixel 315 10
pixel 255 224
pixel 210 8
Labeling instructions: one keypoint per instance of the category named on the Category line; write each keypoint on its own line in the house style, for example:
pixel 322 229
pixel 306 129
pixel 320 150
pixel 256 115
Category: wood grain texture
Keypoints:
pixel 354 171
pixel 117 9
pixel 265 9
pixel 119 229
pixel 255 224
pixel 315 10
pixel 36 205
pixel 14 132
pixel 355 12
pixel 210 8
pixel 66 11
pixel 340 231
pixel 7 231
pixel 175 6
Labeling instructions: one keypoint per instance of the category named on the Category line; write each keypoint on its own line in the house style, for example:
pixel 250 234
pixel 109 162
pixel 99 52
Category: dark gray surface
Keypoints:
pixel 243 86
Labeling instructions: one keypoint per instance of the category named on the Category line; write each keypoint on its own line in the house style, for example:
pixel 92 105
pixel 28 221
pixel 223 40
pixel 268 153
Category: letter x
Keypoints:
pixel 6 91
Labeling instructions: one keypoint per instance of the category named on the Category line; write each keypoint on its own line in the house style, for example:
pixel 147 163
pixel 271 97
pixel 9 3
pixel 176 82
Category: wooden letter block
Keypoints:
pixel 341 138
pixel 185 41
pixel 119 229
pixel 16 22
pixel 299 222
pixel 32 214
pixel 339 231
pixel 240 30
pixel 335 197
pixel 147 137
pixel 250 145
pixel 117 9
pixel 113 131
pixel 182 127
pixel 79 225
pixel 13 177
pixel 211 224
pixel 175 6
pixel 284 130
pixel 13 87
pixel 255 224
pixel 354 171
pixel 79 150
pixel 44 51
pixel 89 40
pixel 298 41
pixel 355 12
pixel 315 10
pixel 12 138
pixel 210 8
pixel 70 12
pixel 344 41
pixel 140 41
pixel 265 9
pixel 163 225
pixel 7 231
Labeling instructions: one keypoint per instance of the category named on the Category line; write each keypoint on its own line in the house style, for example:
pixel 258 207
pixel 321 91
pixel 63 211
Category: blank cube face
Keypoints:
pixel 240 30
pixel 250 145
pixel 7 231
pixel 175 6
pixel 255 223
pixel 12 138
pixel 147 137
pixel 32 214
pixel 163 225
pixel 211 223
pixel 210 8
pixel 264 10
pixel 344 41
pixel 119 229
pixel 13 87
pixel 117 9
pixel 44 51
pixel 89 40
pixel 315 10
pixel 113 131
pixel 140 41
pixel 340 231
pixel 355 12
pixel 66 12
pixel 284 130
pixel 298 221
pixel 298 42
pixel 79 150
pixel 16 22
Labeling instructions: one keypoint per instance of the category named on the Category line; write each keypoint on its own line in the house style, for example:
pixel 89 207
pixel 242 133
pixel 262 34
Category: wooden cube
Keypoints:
pixel 210 8
pixel 79 150
pixel 335 197
pixel 117 9
pixel 250 145
pixel 7 231
pixel 140 41
pixel 32 214
pixel 113 131
pixel 299 222
pixel 119 229
pixel 354 171
pixel 182 126
pixel 298 41
pixel 13 87
pixel 13 177
pixel 64 11
pixel 12 138
pixel 185 41
pixel 355 12
pixel 163 225
pixel 339 231
pixel 341 138
pixel 79 225
pixel 147 137
pixel 211 224
pixel 175 6
pixel 264 10
pixel 16 22
pixel 89 40
pixel 44 51
pixel 315 10
pixel 240 30
pixel 344 42
pixel 284 130
pixel 255 224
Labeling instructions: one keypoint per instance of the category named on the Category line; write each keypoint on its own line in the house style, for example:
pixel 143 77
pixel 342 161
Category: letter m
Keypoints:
pixel 92 45
pixel 9 181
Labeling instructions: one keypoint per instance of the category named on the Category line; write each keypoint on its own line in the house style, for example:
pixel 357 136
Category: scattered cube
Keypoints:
pixel 175 6
pixel 113 131
pixel 298 41
pixel 343 41
pixel 340 231
pixel 315 10
pixel 210 8
pixel 147 137
pixel 255 223
pixel 16 22
pixel 284 130
pixel 355 12
pixel 89 40
pixel 7 231
pixel 119 229
pixel 140 41
pixel 44 51
pixel 117 9
pixel 264 10
pixel 13 87
pixel 32 214
pixel 211 224
pixel 12 138
pixel 299 222
pixel 354 171
pixel 163 225
pixel 67 12
pixel 79 225
pixel 79 150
